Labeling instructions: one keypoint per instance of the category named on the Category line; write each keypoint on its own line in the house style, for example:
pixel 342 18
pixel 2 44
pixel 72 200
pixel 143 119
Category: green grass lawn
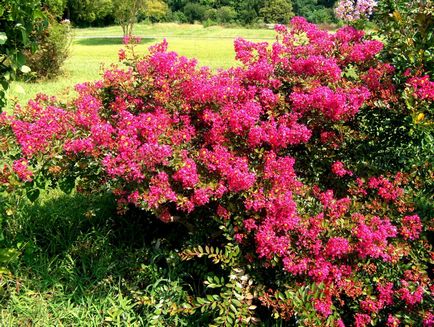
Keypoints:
pixel 177 30
pixel 212 46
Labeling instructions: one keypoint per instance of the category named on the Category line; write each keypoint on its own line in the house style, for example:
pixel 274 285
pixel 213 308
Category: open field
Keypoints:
pixel 212 46
pixel 179 30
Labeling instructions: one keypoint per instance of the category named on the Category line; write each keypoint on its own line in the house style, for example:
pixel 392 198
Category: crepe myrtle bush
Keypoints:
pixel 257 147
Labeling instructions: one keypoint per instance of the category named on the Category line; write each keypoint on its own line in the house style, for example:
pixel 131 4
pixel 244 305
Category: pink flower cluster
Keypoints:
pixel 21 168
pixel 423 87
pixel 338 168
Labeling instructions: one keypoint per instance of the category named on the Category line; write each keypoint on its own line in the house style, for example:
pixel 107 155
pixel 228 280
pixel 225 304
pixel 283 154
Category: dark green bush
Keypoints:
pixel 194 12
pixel 55 7
pixel 177 16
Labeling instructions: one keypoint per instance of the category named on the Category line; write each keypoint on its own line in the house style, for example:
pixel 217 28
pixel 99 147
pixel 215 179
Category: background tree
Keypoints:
pixel 126 13
pixel 316 11
pixel 155 10
pixel 277 11
pixel 226 14
pixel 195 12
pixel 86 12
pixel 248 10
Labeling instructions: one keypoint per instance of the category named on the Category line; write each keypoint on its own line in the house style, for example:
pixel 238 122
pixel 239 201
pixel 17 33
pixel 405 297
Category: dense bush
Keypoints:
pixel 407 131
pixel 226 14
pixel 277 11
pixel 194 12
pixel 261 150
pixel 408 29
pixel 315 11
pixel 55 7
pixel 84 13
pixel 53 49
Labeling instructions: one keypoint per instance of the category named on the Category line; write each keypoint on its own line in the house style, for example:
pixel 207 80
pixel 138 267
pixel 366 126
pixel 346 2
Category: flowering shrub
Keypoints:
pixel 258 147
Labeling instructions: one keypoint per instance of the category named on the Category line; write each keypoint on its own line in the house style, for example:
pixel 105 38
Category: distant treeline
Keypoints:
pixel 243 12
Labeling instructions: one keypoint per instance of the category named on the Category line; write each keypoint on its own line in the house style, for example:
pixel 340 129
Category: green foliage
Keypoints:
pixel 277 11
pixel 225 14
pixel 155 10
pixel 178 16
pixel 248 11
pixel 316 11
pixel 194 12
pixel 85 12
pixel 231 298
pixel 99 12
pixel 321 15
pixel 408 31
pixel 126 13
pixel 18 21
pixel 54 47
pixel 55 7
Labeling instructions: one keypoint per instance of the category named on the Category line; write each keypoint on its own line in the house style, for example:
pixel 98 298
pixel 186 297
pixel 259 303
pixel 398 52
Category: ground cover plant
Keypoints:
pixel 253 166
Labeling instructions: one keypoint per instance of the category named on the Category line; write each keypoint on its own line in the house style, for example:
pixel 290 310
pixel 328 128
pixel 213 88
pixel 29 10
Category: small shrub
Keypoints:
pixel 54 45
pixel 179 17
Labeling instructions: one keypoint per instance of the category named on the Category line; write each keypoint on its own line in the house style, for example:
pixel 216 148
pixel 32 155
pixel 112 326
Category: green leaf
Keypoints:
pixel 21 60
pixel 3 37
pixel 67 185
pixel 33 194
pixel 8 255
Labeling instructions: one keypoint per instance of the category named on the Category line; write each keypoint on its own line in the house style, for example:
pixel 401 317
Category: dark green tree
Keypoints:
pixel 85 12
pixel 277 11
pixel 195 12
pixel 248 10
pixel 316 11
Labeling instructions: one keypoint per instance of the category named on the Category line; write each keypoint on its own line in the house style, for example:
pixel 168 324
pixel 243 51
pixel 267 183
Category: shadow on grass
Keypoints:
pixel 80 259
pixel 95 41
pixel 80 243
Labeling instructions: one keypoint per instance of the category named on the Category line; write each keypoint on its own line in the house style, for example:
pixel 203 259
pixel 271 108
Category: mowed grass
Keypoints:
pixel 179 30
pixel 94 47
